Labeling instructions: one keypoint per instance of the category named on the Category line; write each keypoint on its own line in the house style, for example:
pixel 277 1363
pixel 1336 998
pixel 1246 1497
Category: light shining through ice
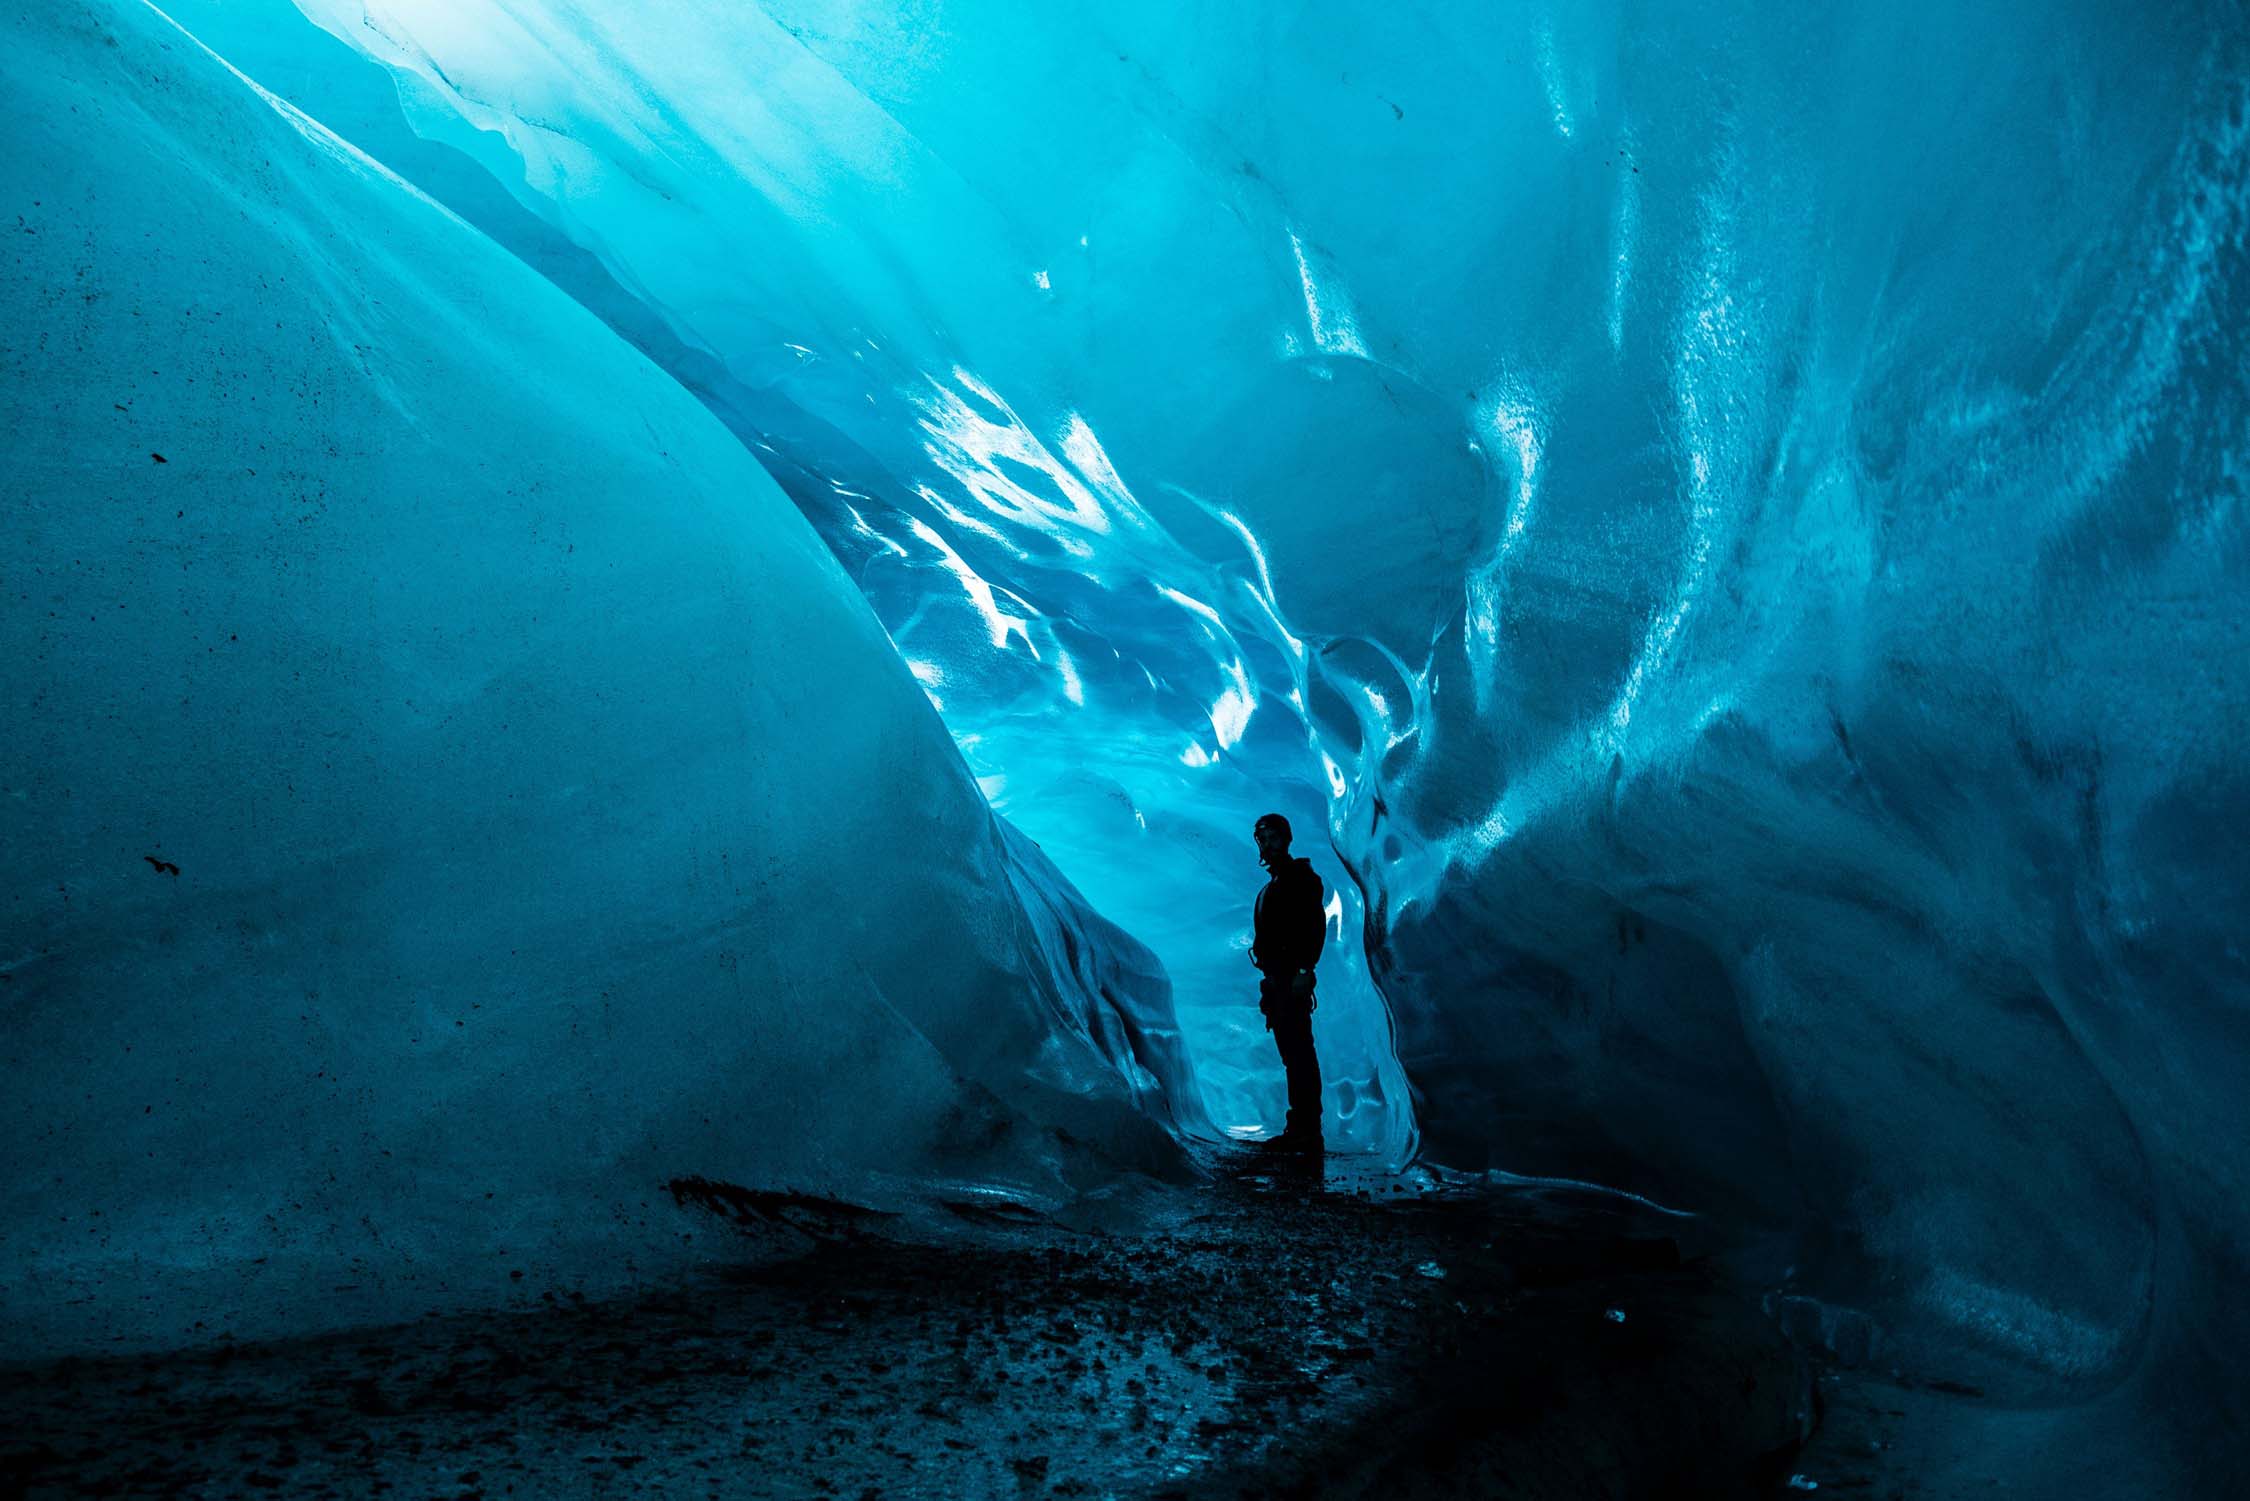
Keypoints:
pixel 1720 526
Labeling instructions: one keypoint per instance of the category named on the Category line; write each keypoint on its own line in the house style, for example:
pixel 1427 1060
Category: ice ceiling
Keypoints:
pixel 1728 518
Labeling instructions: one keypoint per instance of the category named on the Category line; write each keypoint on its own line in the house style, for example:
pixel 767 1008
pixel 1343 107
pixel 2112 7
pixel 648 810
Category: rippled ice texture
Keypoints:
pixel 1732 513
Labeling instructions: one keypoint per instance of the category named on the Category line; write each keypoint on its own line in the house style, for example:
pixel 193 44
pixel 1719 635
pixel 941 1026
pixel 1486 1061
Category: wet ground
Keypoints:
pixel 1286 1332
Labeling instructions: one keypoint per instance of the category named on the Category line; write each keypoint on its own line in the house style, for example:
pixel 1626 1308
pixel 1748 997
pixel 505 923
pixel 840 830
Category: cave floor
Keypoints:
pixel 1286 1332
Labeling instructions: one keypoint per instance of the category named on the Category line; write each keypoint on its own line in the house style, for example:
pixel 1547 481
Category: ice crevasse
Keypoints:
pixel 1727 519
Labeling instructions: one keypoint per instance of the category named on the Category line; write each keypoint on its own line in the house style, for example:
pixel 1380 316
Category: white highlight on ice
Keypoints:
pixel 972 449
pixel 1515 419
pixel 1230 716
pixel 998 622
pixel 1550 78
pixel 931 677
pixel 1625 235
pixel 1518 426
pixel 1328 312
pixel 1710 350
pixel 1189 602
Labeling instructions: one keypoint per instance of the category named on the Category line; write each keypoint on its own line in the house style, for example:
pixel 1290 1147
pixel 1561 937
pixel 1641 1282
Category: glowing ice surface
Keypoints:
pixel 1728 517
pixel 449 790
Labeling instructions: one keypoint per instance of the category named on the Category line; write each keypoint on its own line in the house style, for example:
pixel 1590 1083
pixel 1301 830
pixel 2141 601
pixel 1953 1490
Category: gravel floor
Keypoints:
pixel 1284 1333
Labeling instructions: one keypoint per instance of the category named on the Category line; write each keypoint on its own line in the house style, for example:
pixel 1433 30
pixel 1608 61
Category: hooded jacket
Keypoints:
pixel 1289 926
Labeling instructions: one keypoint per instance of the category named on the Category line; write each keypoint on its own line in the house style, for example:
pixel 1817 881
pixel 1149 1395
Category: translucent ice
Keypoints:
pixel 1733 514
pixel 1737 508
pixel 449 790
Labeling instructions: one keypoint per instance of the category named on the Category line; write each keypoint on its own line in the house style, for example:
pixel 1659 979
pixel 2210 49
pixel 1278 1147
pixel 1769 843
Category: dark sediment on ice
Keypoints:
pixel 1271 1333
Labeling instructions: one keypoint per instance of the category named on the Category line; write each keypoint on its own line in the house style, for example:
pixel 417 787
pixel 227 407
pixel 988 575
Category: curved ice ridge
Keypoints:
pixel 450 792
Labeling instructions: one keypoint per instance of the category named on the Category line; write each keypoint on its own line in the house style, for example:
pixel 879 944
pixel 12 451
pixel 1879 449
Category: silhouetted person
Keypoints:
pixel 1290 926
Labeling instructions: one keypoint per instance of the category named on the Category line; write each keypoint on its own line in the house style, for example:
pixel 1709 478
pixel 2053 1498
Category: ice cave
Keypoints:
pixel 641 638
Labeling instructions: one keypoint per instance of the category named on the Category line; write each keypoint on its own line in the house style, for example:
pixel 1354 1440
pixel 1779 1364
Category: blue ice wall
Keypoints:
pixel 1729 515
pixel 448 790
pixel 1105 705
pixel 1735 509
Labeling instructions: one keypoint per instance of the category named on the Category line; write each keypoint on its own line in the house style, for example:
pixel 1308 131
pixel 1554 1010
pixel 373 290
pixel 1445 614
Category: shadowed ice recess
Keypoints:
pixel 1729 518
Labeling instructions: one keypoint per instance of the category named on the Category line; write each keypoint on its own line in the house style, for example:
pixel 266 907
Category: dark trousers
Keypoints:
pixel 1289 1018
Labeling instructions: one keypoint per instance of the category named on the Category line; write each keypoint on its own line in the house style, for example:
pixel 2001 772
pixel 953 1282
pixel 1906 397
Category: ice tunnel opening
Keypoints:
pixel 1180 879
pixel 1112 665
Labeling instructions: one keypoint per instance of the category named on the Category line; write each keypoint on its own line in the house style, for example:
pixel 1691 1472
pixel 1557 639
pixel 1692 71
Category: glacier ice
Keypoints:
pixel 1729 516
pixel 875 440
pixel 1743 504
pixel 450 791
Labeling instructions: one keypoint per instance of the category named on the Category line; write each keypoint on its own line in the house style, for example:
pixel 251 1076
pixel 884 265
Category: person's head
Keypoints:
pixel 1272 834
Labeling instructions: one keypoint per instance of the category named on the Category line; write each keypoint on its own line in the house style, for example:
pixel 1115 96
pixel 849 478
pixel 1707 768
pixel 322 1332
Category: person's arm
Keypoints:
pixel 1312 932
